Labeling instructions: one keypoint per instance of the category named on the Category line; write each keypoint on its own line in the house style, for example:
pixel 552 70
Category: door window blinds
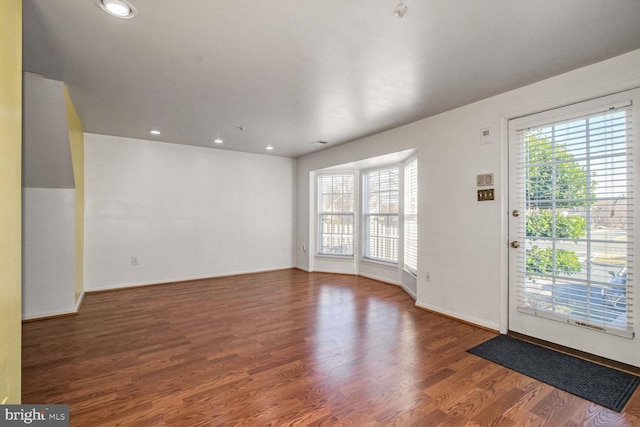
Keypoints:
pixel 575 180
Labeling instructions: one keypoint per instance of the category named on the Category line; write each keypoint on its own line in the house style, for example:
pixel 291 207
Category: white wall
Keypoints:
pixel 48 210
pixel 185 212
pixel 462 243
pixel 46 151
pixel 48 244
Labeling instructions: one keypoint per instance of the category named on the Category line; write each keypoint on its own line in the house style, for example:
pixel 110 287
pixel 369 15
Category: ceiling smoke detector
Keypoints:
pixel 400 10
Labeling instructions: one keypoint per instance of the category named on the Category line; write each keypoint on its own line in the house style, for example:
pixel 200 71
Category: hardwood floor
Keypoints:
pixel 279 348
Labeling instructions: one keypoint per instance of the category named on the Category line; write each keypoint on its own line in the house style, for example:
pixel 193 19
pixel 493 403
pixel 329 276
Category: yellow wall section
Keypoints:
pixel 10 199
pixel 76 139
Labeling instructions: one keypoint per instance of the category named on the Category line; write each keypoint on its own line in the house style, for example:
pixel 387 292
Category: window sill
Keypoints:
pixel 411 273
pixel 389 265
pixel 346 258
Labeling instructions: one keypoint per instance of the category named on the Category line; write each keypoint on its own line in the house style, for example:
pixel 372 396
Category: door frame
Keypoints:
pixel 560 334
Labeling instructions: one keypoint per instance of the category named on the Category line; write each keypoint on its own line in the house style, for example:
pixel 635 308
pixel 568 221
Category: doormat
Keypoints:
pixel 602 385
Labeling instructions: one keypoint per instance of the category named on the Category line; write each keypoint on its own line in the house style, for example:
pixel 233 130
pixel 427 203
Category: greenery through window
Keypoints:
pixel 578 198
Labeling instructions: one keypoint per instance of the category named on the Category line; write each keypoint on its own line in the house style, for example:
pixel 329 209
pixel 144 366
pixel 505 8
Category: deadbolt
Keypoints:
pixel 515 212
pixel 515 244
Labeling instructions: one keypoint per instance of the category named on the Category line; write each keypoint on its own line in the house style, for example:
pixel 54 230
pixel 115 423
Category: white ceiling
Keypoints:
pixel 296 71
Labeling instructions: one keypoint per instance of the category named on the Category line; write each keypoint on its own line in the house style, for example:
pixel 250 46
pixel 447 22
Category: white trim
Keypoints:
pixel 455 315
pixel 33 316
pixel 394 266
pixel 380 279
pixel 504 228
pixel 409 291
pixel 345 258
pixel 76 310
pixel 79 302
pixel 186 279
pixel 410 273
pixel 350 273
pixel 403 286
pixel 569 103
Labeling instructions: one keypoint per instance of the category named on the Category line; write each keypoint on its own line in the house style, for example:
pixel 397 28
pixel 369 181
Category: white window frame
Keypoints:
pixel 321 214
pixel 410 216
pixel 366 214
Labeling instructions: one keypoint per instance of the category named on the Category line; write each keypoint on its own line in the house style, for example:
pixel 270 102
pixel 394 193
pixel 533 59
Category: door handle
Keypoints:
pixel 515 244
pixel 515 212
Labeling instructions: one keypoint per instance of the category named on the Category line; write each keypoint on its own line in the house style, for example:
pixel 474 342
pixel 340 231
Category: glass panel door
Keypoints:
pixel 571 225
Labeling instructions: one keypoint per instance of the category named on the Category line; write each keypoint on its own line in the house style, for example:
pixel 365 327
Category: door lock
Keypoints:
pixel 515 244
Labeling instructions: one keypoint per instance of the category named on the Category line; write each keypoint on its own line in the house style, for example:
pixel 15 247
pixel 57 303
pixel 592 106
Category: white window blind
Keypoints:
pixel 380 208
pixel 576 179
pixel 335 214
pixel 411 217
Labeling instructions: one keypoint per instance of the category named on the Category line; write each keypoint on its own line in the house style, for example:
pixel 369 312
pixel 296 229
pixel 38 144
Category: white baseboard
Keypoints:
pixel 462 317
pixel 391 282
pixel 409 291
pixel 380 279
pixel 44 314
pixel 79 302
pixel 183 279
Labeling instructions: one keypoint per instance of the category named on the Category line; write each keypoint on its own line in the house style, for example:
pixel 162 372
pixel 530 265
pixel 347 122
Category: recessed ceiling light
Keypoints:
pixel 154 132
pixel 218 141
pixel 269 147
pixel 118 8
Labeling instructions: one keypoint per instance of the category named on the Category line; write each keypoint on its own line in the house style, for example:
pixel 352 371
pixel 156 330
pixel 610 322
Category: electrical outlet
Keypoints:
pixel 134 260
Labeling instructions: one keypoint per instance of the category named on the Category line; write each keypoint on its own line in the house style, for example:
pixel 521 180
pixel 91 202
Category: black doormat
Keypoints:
pixel 602 385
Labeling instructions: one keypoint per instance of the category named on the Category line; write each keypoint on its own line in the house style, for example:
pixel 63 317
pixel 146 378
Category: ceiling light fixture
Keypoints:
pixel 218 141
pixel 119 8
pixel 400 10
pixel 154 132
pixel 269 147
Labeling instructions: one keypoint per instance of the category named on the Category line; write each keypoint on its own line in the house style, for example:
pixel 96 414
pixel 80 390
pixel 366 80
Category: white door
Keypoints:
pixel 573 175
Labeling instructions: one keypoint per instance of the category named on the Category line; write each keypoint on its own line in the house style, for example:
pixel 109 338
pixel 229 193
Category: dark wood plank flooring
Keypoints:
pixel 281 348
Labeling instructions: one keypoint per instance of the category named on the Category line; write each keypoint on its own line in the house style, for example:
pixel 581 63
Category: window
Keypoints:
pixel 411 217
pixel 380 206
pixel 577 186
pixel 335 214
